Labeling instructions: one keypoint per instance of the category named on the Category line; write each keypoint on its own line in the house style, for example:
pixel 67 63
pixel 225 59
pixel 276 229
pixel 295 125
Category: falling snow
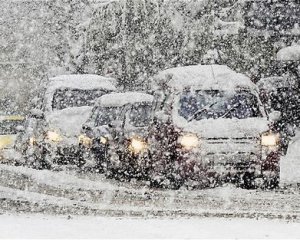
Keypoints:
pixel 159 118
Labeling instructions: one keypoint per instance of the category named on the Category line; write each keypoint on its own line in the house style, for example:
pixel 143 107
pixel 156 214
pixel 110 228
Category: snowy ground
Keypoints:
pixel 33 203
pixel 37 226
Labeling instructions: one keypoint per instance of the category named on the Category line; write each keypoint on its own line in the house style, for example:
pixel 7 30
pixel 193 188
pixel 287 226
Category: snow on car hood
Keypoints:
pixel 224 128
pixel 69 120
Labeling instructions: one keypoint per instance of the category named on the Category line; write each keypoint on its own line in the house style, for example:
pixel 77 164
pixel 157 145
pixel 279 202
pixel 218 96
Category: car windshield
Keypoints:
pixel 64 98
pixel 8 127
pixel 140 115
pixel 105 115
pixel 215 104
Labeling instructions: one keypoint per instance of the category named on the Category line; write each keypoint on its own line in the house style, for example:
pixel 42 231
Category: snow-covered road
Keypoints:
pixel 24 190
pixel 41 226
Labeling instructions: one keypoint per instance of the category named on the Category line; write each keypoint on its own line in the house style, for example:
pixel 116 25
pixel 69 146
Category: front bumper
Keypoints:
pixel 9 155
pixel 57 153
pixel 260 161
pixel 67 154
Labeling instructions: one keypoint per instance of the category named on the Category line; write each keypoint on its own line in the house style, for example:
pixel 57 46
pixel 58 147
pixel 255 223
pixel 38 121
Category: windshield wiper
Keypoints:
pixel 233 107
pixel 205 108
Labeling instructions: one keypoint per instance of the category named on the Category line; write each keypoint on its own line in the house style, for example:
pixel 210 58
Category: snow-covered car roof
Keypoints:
pixel 121 99
pixel 82 81
pixel 78 81
pixel 291 53
pixel 218 77
pixel 272 83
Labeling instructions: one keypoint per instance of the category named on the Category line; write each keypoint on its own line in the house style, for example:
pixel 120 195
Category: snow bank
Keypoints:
pixel 290 164
pixel 204 77
pixel 68 180
pixel 37 226
pixel 291 53
pixel 120 99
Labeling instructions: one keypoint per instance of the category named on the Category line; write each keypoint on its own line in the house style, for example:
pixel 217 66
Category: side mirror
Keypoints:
pixel 87 126
pixel 274 115
pixel 116 124
pixel 37 113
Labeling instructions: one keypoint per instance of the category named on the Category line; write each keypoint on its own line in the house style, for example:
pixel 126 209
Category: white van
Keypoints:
pixel 52 132
pixel 211 127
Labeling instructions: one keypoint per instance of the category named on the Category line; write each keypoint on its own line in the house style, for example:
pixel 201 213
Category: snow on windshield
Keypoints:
pixel 205 104
pixel 105 115
pixel 66 98
pixel 139 115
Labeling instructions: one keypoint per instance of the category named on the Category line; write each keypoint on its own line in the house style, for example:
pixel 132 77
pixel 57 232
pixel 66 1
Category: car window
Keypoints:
pixel 64 98
pixel 105 115
pixel 216 104
pixel 140 114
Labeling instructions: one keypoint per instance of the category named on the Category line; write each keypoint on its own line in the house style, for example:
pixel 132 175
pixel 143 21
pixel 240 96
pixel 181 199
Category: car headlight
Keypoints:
pixel 103 140
pixel 5 141
pixel 189 141
pixel 137 145
pixel 85 140
pixel 54 136
pixel 269 139
pixel 32 141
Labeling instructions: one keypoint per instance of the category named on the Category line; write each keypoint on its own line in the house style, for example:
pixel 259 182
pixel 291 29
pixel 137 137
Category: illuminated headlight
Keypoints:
pixel 189 141
pixel 270 139
pixel 85 140
pixel 137 145
pixel 32 141
pixel 103 140
pixel 53 136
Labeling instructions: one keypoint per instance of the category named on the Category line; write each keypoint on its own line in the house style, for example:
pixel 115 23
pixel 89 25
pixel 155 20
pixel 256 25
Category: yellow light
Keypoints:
pixel 53 136
pixel 14 118
pixel 6 141
pixel 103 140
pixel 269 139
pixel 32 141
pixel 137 145
pixel 85 140
pixel 189 141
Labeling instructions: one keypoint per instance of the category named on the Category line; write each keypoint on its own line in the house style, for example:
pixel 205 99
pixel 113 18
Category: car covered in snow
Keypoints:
pixel 113 136
pixel 290 164
pixel 280 93
pixel 51 132
pixel 10 127
pixel 209 127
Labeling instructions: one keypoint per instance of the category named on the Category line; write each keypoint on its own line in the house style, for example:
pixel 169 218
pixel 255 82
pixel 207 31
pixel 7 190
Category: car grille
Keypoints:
pixel 230 150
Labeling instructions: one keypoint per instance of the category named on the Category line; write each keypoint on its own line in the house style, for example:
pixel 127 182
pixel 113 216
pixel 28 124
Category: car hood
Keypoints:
pixel 69 120
pixel 225 128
